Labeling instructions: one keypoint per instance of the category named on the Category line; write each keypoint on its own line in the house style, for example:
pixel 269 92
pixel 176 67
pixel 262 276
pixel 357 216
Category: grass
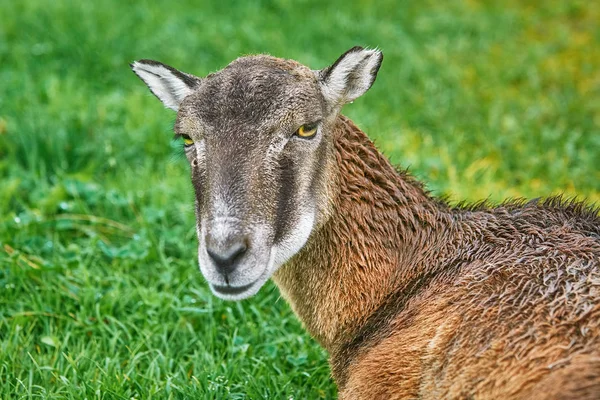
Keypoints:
pixel 100 294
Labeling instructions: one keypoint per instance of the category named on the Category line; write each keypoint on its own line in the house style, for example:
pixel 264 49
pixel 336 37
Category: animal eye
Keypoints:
pixel 187 141
pixel 307 131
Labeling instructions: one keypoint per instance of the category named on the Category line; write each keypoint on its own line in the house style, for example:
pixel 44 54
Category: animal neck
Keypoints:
pixel 364 251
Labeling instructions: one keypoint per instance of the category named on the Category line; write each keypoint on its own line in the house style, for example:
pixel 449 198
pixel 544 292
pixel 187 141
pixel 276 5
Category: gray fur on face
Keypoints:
pixel 260 189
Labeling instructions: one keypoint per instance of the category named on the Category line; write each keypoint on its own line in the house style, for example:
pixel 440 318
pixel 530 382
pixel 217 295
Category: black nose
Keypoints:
pixel 226 255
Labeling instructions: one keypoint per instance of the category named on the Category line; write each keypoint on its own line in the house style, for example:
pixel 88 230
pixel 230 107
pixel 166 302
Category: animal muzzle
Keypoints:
pixel 236 263
pixel 227 254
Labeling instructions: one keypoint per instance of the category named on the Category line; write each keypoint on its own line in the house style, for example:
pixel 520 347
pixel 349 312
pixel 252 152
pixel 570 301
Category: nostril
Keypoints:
pixel 226 257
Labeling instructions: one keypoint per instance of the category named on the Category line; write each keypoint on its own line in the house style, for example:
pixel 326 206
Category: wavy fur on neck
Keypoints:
pixel 413 298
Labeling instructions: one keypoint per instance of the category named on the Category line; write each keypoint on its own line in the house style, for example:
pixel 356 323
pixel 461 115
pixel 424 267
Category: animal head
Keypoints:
pixel 258 136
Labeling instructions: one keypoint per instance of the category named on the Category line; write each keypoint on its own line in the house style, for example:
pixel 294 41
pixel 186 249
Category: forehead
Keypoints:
pixel 255 90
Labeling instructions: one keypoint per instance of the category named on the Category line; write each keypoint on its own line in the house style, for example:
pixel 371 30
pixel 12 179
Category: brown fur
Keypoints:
pixel 411 297
pixel 415 299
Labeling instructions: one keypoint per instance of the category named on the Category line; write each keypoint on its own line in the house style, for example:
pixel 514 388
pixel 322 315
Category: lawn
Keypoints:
pixel 100 293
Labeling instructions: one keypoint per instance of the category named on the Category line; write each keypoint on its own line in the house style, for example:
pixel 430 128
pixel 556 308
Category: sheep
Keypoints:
pixel 411 297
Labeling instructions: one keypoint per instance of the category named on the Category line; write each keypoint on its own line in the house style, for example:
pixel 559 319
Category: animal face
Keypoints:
pixel 258 136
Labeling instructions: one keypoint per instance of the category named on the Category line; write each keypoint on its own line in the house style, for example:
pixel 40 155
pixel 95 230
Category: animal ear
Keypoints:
pixel 350 76
pixel 168 84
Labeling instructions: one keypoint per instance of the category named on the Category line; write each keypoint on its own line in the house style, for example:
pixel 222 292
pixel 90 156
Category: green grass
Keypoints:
pixel 100 294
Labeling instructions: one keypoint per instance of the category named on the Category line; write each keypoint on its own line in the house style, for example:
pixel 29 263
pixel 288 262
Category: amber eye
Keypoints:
pixel 307 131
pixel 187 141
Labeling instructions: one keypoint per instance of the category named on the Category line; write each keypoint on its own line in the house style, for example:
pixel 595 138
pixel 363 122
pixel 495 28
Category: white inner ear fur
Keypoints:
pixel 351 77
pixel 168 87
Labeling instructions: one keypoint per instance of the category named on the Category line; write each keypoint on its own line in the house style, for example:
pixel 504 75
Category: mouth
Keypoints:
pixel 231 291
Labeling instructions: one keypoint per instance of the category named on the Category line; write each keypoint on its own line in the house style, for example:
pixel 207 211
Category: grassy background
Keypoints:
pixel 100 295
